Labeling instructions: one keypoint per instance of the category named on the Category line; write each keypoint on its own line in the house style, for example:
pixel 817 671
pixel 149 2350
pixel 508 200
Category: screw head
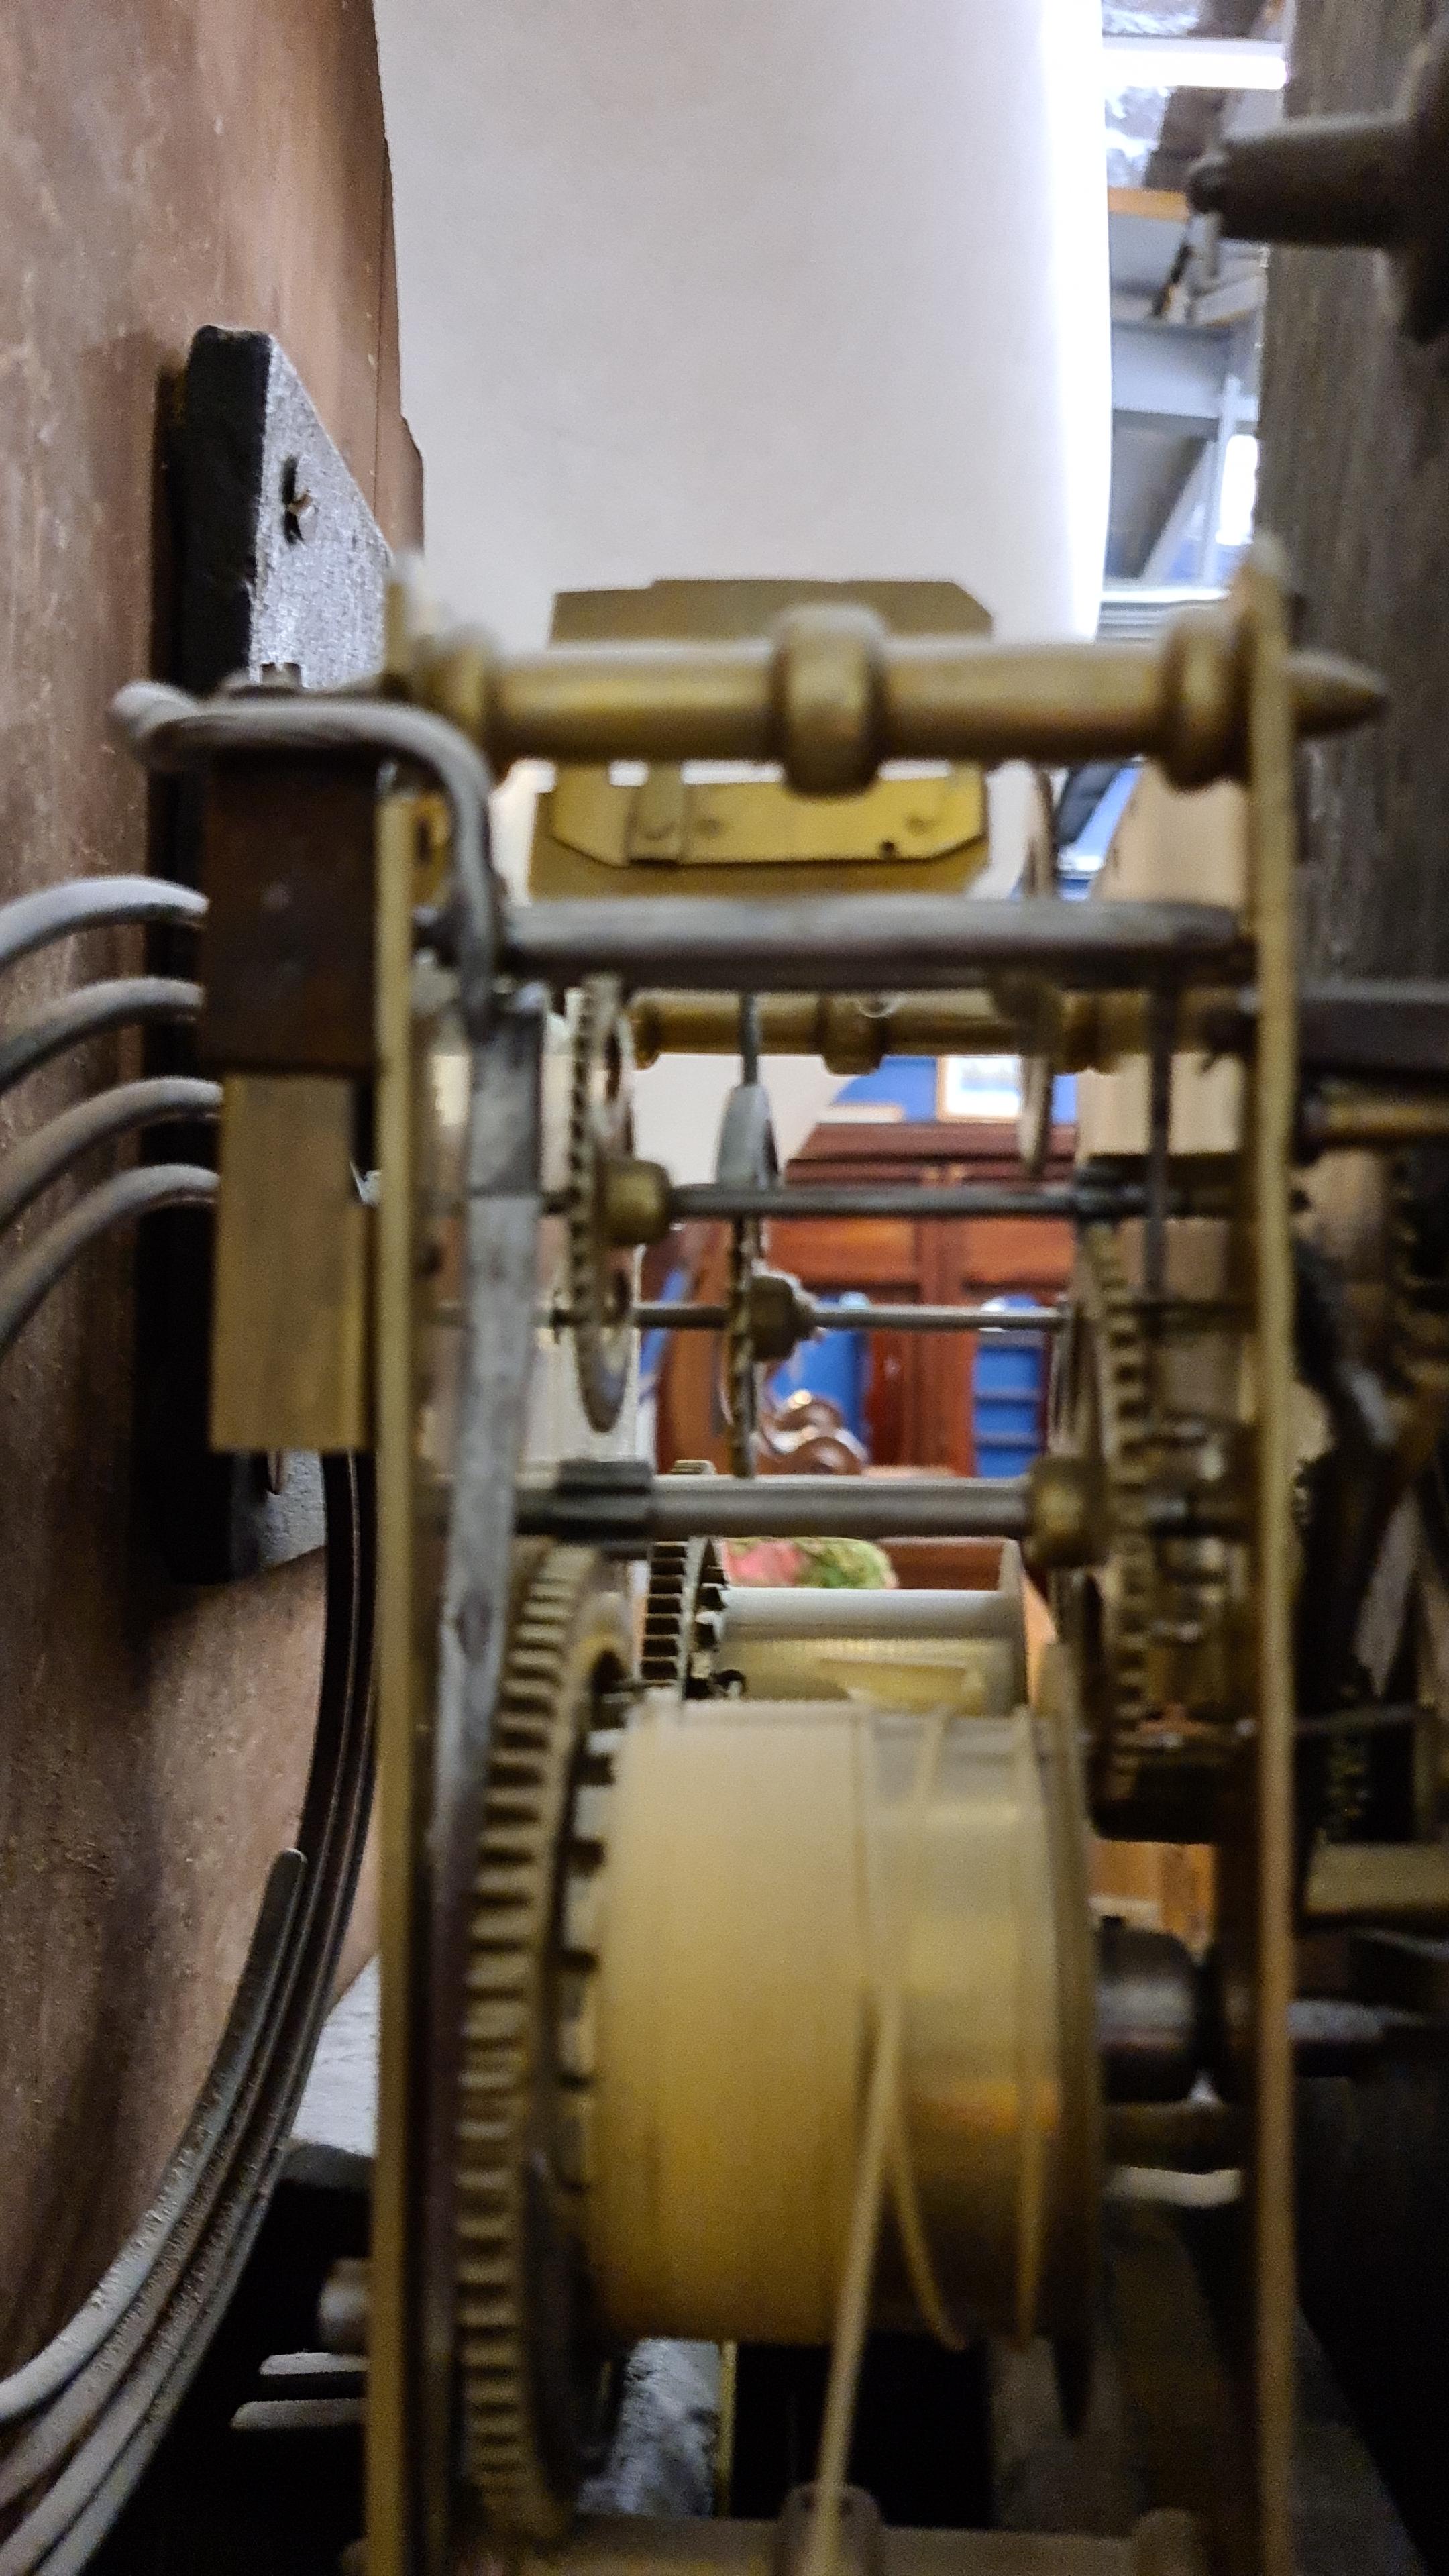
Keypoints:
pixel 299 507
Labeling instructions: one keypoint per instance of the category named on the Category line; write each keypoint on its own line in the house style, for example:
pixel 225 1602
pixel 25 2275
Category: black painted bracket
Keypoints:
pixel 282 570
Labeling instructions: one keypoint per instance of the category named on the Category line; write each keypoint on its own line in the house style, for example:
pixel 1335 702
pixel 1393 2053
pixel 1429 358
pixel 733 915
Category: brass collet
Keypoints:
pixel 633 1201
pixel 1063 1514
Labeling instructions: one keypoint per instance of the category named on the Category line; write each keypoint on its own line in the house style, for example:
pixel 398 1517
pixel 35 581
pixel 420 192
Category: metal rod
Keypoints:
pixel 1375 1718
pixel 791 1611
pixel 940 1319
pixel 862 943
pixel 1064 1199
pixel 749 1036
pixel 676 1317
pixel 842 1506
pixel 892 697
pixel 789 1506
pixel 1373 1120
pixel 1386 1030
pixel 852 1031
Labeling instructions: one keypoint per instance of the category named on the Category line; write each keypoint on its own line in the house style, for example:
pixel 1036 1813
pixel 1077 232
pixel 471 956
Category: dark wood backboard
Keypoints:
pixel 166 164
pixel 1355 479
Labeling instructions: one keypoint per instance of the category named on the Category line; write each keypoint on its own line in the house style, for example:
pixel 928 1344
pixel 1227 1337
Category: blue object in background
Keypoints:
pixel 904 1082
pixel 835 1365
pixel 1007 1387
pixel 908 1083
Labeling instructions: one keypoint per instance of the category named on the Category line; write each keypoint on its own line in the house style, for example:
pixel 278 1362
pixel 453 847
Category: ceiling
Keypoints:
pixel 1186 310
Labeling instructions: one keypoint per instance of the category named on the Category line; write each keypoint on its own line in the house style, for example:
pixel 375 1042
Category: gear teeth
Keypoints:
pixel 599 1277
pixel 537 1735
pixel 1122 1382
pixel 742 1376
pixel 685 1598
pixel 1419 1293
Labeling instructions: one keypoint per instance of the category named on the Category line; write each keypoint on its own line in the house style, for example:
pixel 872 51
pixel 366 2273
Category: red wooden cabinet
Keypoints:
pixel 919 1400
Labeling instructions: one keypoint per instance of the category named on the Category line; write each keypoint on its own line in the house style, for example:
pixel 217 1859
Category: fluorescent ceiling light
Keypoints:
pixel 1194 62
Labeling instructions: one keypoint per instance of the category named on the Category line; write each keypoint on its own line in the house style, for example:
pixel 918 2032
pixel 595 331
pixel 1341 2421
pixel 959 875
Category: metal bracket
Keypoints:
pixel 282 571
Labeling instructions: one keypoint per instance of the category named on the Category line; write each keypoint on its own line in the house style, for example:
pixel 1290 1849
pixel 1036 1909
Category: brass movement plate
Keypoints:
pixel 921 835
pixel 728 612
pixel 673 821
pixel 289 1316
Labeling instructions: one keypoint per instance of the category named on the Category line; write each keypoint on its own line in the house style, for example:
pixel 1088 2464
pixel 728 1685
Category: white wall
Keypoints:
pixel 754 286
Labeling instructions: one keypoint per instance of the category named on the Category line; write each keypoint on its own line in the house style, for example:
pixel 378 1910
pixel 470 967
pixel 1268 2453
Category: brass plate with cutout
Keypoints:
pixel 668 833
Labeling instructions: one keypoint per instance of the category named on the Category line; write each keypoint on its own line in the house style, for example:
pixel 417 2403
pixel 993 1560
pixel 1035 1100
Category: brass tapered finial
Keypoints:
pixel 1332 694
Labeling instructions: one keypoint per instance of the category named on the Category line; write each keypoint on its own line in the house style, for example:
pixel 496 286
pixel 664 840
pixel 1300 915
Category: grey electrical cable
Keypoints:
pixel 91 903
pixel 31 1167
pixel 87 1013
pixel 168 730
pixel 80 2419
pixel 125 1195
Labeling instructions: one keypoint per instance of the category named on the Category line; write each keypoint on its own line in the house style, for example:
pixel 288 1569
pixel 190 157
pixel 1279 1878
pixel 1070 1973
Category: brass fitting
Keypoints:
pixel 781 1315
pixel 1081 1032
pixel 453 675
pixel 828 678
pixel 634 1201
pixel 1344 1117
pixel 709 1024
pixel 1034 1014
pixel 1063 1514
pixel 854 1032
pixel 851 1031
pixel 1099 1029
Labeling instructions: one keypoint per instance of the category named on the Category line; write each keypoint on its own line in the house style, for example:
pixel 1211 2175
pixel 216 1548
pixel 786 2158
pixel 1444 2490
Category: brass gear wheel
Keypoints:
pixel 534 2375
pixel 742 1374
pixel 1102 1409
pixel 600 1274
pixel 1418 1274
pixel 683 1609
